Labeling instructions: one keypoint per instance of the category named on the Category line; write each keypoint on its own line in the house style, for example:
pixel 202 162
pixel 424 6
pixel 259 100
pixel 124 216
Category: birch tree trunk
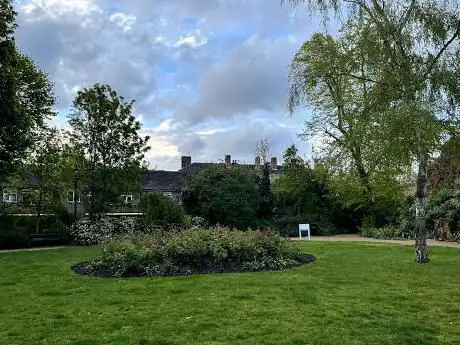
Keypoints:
pixel 421 249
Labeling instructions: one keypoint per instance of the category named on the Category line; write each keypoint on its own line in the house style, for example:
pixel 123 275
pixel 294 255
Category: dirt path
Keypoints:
pixel 357 238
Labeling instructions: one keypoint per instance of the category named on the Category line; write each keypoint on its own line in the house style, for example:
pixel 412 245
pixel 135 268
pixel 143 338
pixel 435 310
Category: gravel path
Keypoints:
pixel 352 238
pixel 31 249
pixel 357 238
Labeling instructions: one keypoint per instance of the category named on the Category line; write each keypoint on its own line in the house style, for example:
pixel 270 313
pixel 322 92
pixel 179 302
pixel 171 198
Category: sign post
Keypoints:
pixel 304 227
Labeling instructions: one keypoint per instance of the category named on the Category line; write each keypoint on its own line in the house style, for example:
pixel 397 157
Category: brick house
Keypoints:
pixel 168 183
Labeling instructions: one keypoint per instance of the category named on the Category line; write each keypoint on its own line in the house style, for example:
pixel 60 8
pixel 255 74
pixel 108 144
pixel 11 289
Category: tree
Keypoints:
pixel 411 80
pixel 26 99
pixel 444 170
pixel 106 133
pixel 226 196
pixel 44 165
pixel 40 174
pixel 301 194
pixel 265 210
pixel 263 150
pixel 347 116
pixel 8 99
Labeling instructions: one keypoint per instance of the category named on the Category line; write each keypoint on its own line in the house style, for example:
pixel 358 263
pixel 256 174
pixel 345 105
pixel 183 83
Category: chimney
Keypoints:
pixel 186 161
pixel 228 161
pixel 274 163
pixel 257 162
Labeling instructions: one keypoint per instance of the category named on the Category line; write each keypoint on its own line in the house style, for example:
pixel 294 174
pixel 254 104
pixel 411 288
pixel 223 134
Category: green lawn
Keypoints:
pixel 356 293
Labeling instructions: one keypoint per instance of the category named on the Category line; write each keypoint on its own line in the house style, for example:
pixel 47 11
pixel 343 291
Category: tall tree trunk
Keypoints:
pixel 421 248
pixel 363 175
pixel 39 210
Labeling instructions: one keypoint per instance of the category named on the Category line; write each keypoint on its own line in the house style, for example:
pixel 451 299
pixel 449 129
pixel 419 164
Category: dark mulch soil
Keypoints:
pixel 87 269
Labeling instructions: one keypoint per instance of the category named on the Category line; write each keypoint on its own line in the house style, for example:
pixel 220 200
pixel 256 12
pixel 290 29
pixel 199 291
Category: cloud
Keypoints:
pixel 252 78
pixel 208 77
pixel 172 140
pixel 59 8
pixel 125 21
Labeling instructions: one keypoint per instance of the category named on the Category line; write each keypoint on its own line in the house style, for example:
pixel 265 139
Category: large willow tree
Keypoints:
pixel 413 45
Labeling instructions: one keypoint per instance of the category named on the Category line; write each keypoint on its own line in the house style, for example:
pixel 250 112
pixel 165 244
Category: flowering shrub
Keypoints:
pixel 197 251
pixel 199 222
pixel 387 233
pixel 87 232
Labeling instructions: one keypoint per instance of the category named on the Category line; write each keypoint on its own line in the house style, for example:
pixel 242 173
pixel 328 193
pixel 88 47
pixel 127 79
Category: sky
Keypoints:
pixel 209 76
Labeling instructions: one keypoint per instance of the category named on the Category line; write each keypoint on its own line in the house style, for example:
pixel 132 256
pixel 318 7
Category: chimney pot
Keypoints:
pixel 274 163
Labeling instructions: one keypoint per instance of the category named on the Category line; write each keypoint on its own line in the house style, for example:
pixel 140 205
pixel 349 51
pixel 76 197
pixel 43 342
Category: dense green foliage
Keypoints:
pixel 197 251
pixel 15 231
pixel 106 133
pixel 226 196
pixel 306 193
pixel 412 92
pixel 162 211
pixel 388 233
pixel 26 99
pixel 265 209
pixel 356 293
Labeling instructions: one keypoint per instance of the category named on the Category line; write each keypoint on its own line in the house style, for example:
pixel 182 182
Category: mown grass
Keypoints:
pixel 355 293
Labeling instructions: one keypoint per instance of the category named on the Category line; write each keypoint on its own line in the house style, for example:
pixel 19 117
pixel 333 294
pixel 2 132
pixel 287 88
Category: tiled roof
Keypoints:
pixel 161 181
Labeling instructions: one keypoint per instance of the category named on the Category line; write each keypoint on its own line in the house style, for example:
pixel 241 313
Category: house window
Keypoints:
pixel 168 194
pixel 127 199
pixel 10 197
pixel 71 197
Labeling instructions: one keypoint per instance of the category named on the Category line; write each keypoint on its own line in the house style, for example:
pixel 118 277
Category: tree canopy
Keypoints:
pixel 106 133
pixel 26 98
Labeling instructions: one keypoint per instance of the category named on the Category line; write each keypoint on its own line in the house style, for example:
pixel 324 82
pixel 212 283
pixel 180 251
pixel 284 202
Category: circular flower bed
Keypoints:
pixel 195 251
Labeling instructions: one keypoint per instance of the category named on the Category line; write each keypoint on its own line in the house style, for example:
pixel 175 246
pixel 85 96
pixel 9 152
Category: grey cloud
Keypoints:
pixel 253 78
pixel 216 82
pixel 239 142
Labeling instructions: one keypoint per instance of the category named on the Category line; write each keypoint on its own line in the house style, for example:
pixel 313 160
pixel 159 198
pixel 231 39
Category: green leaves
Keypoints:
pixel 106 133
pixel 26 98
pixel 226 196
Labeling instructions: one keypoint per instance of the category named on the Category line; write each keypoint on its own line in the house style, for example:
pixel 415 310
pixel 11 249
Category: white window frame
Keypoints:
pixel 73 197
pixel 168 194
pixel 7 194
pixel 127 198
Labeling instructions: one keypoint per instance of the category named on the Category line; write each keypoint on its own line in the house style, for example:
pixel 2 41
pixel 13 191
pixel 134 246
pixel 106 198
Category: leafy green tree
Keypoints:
pixel 265 210
pixel 226 196
pixel 444 170
pixel 348 118
pixel 40 175
pixel 44 165
pixel 301 194
pixel 26 98
pixel 106 133
pixel 412 82
pixel 160 210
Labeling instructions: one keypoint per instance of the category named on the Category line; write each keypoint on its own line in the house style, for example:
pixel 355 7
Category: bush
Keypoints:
pixel 228 197
pixel 197 251
pixel 325 229
pixel 160 210
pixel 199 222
pixel 288 226
pixel 387 233
pixel 103 229
pixel 16 230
